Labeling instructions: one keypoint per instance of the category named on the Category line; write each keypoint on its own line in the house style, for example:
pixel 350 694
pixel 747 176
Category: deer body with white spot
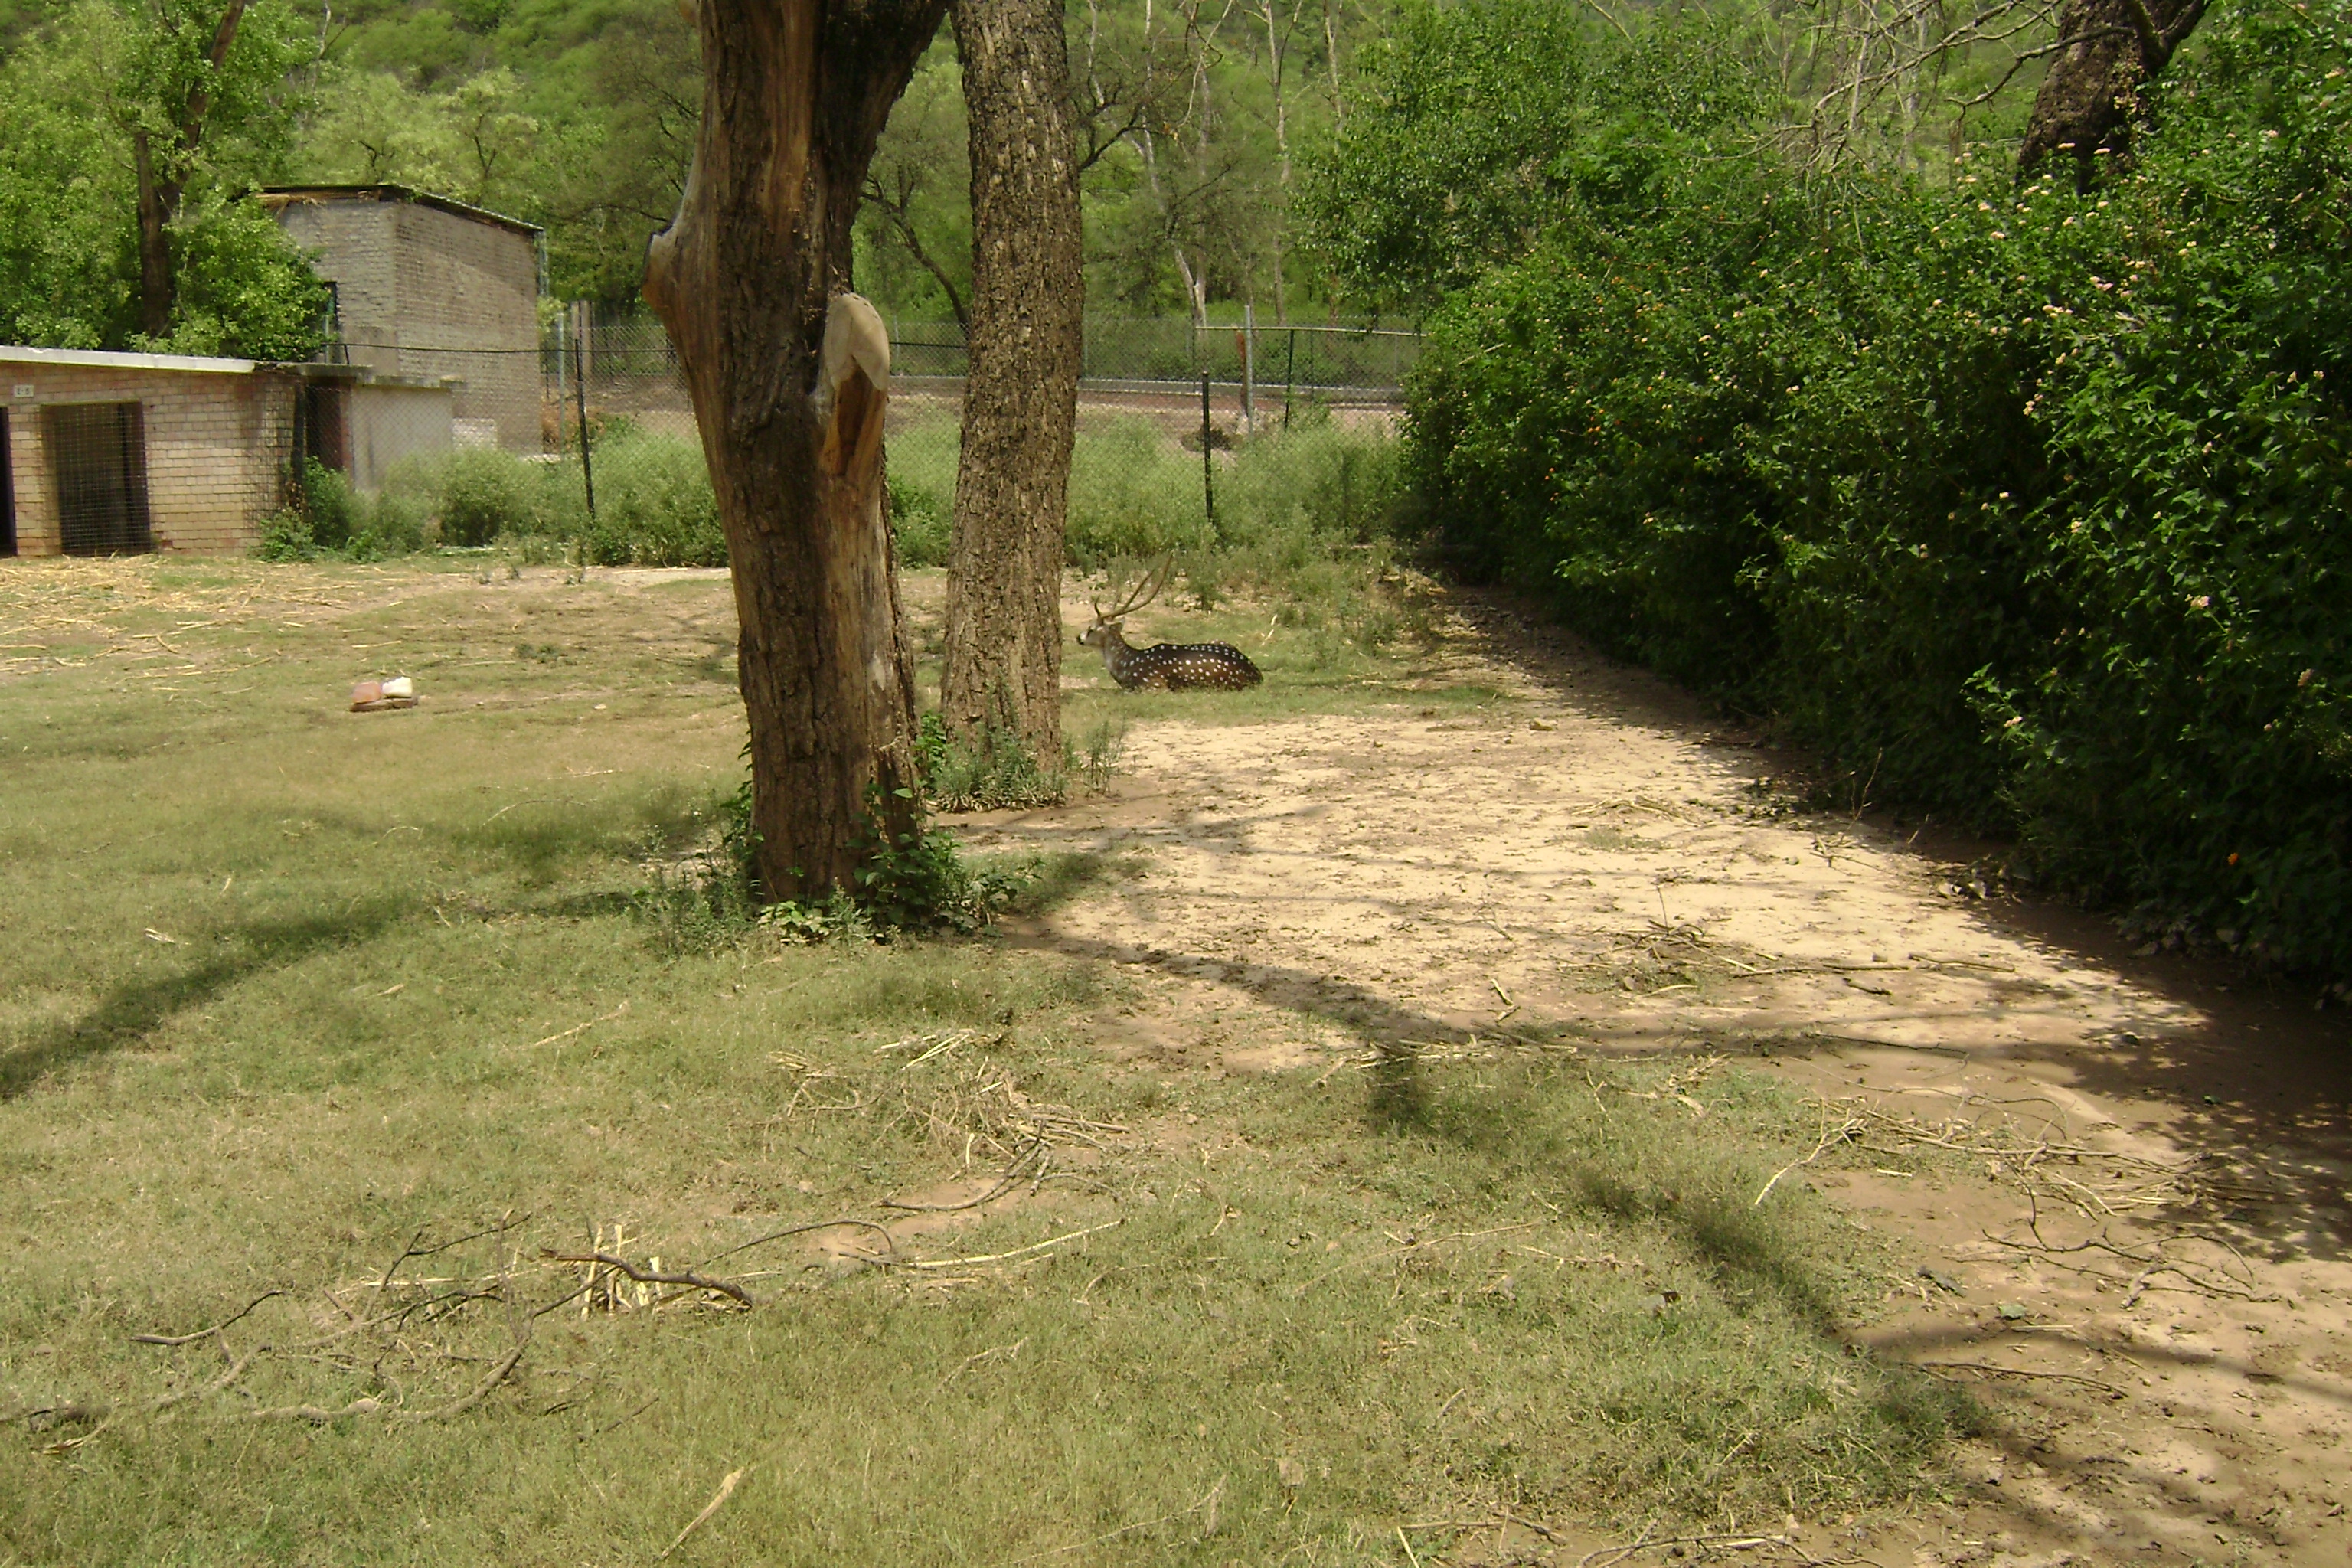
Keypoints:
pixel 1164 667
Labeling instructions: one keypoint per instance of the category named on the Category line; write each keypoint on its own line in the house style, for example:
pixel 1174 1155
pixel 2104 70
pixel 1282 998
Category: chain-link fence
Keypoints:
pixel 590 441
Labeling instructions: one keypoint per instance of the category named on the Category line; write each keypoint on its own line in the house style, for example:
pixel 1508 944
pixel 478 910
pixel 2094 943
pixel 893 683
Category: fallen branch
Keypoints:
pixel 1846 1129
pixel 203 1334
pixel 413 1250
pixel 465 1401
pixel 1017 1252
pixel 41 1417
pixel 235 1371
pixel 649 1275
pixel 576 1028
pixel 1013 1177
pixel 316 1415
pixel 2107 1388
pixel 1547 1532
pixel 1608 1555
pixel 882 1230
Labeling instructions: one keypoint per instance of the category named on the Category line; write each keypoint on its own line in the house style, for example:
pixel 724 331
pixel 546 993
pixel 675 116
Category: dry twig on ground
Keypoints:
pixel 651 1276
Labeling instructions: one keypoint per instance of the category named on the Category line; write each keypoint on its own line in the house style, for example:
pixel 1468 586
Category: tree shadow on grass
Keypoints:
pixel 545 838
pixel 126 1015
pixel 1704 1202
pixel 1399 1100
pixel 1059 876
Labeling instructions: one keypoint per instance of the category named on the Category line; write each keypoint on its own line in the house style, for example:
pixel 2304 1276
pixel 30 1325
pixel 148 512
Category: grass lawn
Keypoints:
pixel 369 1011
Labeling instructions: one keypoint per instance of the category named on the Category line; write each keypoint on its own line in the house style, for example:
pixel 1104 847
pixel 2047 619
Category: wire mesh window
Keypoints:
pixel 97 452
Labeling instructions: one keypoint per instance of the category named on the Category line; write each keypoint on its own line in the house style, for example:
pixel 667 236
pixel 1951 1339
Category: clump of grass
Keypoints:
pixel 655 506
pixel 997 772
pixel 920 524
pixel 916 880
pixel 334 519
pixel 1094 760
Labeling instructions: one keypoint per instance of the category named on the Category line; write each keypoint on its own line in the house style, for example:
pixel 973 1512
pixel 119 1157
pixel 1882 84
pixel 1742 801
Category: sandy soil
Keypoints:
pixel 2168 1356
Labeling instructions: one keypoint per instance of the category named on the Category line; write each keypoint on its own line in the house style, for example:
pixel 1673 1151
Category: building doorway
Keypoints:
pixel 98 453
pixel 8 492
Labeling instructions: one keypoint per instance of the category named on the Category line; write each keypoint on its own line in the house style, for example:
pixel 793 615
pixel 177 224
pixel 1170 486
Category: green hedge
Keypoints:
pixel 2031 505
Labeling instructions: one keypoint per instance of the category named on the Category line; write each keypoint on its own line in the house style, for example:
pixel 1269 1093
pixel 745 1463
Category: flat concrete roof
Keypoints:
pixel 277 196
pixel 101 359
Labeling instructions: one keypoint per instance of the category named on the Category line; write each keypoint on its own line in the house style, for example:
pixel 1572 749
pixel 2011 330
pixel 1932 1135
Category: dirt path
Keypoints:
pixel 2168 1362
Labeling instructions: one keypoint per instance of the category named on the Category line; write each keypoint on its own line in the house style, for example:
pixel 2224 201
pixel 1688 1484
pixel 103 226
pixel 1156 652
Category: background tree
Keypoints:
pixel 103 246
pixel 789 375
pixel 2108 50
pixel 917 223
pixel 1004 643
pixel 579 119
pixel 194 68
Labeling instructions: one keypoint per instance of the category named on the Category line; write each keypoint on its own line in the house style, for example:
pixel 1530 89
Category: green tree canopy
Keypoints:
pixel 74 95
pixel 1481 126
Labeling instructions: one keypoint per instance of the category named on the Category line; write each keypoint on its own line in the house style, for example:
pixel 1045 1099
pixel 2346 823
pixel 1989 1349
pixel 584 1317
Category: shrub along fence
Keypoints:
pixel 1179 449
pixel 2029 507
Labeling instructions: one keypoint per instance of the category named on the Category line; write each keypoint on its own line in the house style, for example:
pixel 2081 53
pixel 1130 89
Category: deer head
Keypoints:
pixel 1106 622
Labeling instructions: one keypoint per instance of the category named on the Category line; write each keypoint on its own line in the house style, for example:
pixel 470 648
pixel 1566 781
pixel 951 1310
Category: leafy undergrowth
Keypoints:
pixel 358 1009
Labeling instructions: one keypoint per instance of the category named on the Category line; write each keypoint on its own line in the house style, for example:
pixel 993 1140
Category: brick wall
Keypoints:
pixel 217 448
pixel 454 296
pixel 350 245
pixel 463 282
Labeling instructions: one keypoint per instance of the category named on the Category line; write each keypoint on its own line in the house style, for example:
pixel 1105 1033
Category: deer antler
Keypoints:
pixel 1145 590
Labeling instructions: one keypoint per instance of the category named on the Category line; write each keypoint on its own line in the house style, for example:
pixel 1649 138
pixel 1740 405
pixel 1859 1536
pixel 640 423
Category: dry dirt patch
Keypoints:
pixel 2122 1179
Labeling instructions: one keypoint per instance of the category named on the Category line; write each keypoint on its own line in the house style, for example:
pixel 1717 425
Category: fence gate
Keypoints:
pixel 98 453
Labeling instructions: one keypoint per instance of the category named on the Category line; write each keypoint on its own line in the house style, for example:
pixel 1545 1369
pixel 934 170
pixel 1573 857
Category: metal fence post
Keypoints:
pixel 1208 459
pixel 580 391
pixel 1249 368
pixel 1289 376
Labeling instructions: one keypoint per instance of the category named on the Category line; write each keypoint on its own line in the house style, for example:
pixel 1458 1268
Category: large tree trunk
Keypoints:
pixel 158 204
pixel 789 373
pixel 2089 97
pixel 1020 409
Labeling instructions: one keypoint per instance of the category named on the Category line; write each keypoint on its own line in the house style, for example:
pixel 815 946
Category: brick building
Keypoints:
pixel 437 345
pixel 428 289
pixel 112 454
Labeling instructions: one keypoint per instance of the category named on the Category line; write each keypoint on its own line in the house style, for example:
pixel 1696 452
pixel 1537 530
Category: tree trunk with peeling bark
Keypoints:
pixel 1003 667
pixel 2089 97
pixel 790 374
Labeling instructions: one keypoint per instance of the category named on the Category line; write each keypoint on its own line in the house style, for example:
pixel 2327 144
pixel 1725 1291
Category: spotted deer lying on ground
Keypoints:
pixel 1165 666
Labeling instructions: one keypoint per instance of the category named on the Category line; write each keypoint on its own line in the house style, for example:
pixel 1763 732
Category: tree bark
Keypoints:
pixel 790 374
pixel 1004 584
pixel 2089 97
pixel 159 202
